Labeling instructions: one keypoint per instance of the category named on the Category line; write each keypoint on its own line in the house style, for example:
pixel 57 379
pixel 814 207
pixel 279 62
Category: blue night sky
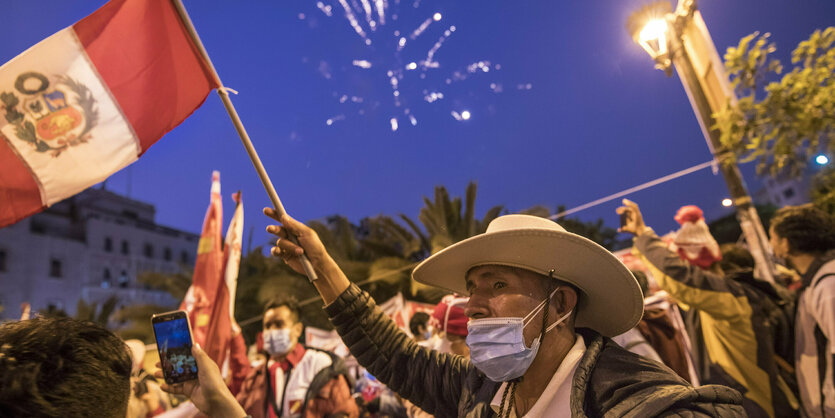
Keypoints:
pixel 597 117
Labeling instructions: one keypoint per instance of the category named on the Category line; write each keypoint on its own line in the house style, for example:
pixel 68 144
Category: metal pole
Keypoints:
pixel 746 213
pixel 239 126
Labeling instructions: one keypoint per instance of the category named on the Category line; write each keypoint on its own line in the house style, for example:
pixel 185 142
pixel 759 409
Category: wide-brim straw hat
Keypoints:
pixel 611 301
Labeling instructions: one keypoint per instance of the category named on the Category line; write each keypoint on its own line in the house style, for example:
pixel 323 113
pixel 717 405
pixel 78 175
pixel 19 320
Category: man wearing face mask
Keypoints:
pixel 295 381
pixel 422 331
pixel 542 303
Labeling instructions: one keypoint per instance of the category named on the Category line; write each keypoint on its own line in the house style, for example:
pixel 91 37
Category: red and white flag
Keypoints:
pixel 90 99
pixel 208 272
pixel 210 301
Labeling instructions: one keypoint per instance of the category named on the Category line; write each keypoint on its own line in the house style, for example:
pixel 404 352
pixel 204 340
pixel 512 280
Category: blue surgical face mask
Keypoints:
pixel 497 345
pixel 427 334
pixel 277 341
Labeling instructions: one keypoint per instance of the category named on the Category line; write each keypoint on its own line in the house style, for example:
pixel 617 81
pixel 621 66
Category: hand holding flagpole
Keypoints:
pixel 250 149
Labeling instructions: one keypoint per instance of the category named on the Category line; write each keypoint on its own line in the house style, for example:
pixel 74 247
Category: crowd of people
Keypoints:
pixel 539 322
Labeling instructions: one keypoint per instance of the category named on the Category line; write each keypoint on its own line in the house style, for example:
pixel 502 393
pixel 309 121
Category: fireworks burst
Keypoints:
pixel 399 44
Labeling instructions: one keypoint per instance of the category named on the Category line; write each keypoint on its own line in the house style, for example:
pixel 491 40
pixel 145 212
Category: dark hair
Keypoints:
pixel 735 257
pixel 62 367
pixel 419 319
pixel 288 302
pixel 808 229
pixel 643 282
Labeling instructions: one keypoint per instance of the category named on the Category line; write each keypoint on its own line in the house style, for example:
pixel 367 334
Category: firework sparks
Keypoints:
pixel 394 39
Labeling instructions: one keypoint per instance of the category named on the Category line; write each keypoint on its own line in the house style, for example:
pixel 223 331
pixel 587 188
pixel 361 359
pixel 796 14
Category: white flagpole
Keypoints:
pixel 239 126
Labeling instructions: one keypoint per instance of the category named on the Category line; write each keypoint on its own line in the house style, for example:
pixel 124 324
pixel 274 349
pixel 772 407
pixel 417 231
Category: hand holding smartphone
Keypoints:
pixel 173 335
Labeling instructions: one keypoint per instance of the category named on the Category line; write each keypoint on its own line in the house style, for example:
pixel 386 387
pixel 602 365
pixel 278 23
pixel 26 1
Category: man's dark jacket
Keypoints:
pixel 609 381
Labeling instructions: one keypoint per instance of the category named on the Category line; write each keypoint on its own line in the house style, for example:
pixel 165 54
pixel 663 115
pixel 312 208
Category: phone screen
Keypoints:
pixel 174 345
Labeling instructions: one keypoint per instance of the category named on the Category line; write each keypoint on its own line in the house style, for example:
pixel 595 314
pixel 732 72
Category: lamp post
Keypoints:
pixel 680 39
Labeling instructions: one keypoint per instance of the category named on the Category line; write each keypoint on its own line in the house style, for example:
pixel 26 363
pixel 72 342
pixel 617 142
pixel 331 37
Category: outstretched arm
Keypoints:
pixel 428 379
pixel 689 284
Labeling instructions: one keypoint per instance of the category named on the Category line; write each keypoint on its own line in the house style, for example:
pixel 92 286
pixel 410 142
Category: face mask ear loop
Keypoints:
pixel 529 317
pixel 559 321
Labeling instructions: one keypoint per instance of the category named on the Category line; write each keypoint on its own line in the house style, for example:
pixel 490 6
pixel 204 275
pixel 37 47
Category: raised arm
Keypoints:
pixel 428 379
pixel 689 284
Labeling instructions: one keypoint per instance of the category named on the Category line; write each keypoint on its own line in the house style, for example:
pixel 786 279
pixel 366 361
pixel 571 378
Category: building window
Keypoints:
pixel 166 254
pixel 55 268
pixel 125 247
pixel 123 279
pixel 2 260
pixel 148 250
pixel 108 244
pixel 788 193
pixel 106 280
pixel 184 257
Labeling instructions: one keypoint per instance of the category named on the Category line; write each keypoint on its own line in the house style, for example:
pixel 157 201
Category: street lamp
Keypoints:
pixel 680 39
pixel 648 27
pixel 822 159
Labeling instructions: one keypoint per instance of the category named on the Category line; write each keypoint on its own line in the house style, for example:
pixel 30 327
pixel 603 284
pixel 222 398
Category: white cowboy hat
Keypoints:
pixel 611 302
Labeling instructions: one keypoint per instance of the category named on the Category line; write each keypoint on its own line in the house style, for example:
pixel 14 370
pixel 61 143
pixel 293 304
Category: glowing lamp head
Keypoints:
pixel 437 16
pixel 727 202
pixel 465 115
pixel 822 159
pixel 648 27
pixel 653 37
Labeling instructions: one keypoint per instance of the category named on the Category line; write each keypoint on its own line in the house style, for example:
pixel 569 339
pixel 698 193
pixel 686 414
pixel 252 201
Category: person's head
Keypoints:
pixel 62 367
pixel 282 325
pixel 538 278
pixel 419 325
pixel 452 323
pixel 735 258
pixel 693 240
pixel 797 230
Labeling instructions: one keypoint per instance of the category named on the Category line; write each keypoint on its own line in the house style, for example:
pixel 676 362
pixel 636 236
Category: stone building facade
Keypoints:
pixel 89 247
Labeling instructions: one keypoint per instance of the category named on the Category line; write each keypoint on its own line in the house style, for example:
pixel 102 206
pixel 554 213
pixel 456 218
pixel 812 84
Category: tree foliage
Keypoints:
pixel 823 190
pixel 781 124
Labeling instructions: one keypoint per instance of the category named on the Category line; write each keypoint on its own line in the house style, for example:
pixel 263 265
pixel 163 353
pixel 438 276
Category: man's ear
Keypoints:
pixel 568 299
pixel 297 329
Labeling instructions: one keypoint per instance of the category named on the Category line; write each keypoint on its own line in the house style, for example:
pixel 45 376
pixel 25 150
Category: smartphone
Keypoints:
pixel 173 334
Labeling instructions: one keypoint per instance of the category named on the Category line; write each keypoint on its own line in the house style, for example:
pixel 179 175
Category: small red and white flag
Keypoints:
pixel 90 99
pixel 201 296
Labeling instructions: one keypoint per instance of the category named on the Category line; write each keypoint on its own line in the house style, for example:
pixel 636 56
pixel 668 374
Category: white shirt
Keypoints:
pixel 816 308
pixel 555 401
pixel 300 378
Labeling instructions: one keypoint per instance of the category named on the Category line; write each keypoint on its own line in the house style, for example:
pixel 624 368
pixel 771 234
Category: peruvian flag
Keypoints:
pixel 90 99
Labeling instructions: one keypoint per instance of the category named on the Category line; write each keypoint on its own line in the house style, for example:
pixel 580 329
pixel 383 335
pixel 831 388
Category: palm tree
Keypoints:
pixel 92 312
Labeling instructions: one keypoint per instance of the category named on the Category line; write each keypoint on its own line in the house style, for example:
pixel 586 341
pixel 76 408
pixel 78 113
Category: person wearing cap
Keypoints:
pixel 452 322
pixel 735 331
pixel 542 303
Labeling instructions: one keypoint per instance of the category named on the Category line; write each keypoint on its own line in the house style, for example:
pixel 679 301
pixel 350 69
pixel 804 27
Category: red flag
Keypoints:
pixel 202 296
pixel 90 99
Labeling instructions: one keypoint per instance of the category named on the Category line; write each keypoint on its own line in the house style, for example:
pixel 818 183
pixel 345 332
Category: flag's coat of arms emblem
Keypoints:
pixel 51 114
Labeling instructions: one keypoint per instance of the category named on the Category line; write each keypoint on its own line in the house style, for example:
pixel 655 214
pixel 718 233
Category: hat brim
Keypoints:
pixel 611 303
